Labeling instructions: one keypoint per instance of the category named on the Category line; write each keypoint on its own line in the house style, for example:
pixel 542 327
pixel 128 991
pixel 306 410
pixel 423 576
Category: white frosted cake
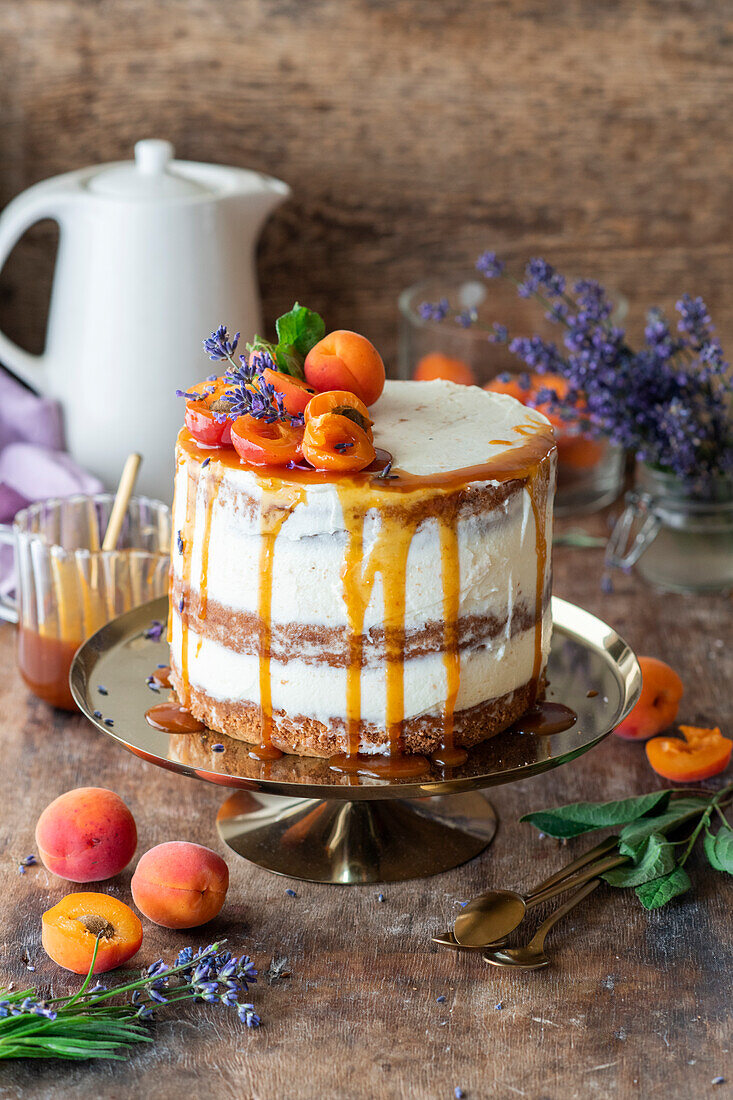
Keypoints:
pixel 369 613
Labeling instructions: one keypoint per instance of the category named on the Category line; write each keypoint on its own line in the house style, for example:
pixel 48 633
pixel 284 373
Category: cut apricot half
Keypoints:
pixel 702 754
pixel 263 444
pixel 342 403
pixel 333 442
pixel 295 393
pixel 69 932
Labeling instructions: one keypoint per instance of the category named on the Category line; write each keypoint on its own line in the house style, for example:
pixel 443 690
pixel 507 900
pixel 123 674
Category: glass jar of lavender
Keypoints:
pixel 679 538
pixel 590 471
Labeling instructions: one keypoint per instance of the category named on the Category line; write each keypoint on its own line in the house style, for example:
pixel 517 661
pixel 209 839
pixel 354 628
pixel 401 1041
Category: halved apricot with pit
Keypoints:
pixel 333 442
pixel 70 929
pixel 342 403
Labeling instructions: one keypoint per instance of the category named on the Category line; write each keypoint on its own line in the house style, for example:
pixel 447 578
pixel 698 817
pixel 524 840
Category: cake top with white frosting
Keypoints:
pixel 436 427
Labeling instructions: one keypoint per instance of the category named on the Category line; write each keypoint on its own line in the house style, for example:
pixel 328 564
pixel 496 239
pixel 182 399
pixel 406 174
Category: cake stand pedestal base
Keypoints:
pixel 329 840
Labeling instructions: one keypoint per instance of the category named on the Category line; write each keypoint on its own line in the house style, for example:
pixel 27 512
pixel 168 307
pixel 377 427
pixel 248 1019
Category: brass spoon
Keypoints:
pixel 533 957
pixel 447 939
pixel 491 916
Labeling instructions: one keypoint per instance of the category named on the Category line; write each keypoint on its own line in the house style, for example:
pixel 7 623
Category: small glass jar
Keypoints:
pixel 590 472
pixel 677 538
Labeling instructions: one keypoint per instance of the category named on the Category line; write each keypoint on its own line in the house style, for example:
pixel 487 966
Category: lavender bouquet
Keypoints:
pixel 668 401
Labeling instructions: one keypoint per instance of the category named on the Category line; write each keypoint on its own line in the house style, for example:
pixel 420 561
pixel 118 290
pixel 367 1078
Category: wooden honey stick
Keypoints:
pixel 121 501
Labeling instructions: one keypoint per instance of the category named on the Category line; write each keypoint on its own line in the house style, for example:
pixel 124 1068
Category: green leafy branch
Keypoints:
pixel 654 868
pixel 298 331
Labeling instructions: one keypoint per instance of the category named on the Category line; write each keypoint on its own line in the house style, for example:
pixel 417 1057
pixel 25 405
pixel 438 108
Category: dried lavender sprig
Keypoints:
pixel 84 1026
pixel 219 346
pixel 155 631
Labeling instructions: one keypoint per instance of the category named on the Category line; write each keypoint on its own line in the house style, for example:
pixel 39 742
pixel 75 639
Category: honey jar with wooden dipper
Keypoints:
pixel 79 562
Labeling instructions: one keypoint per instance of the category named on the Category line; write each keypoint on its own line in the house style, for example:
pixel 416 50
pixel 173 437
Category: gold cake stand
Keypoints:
pixel 297 817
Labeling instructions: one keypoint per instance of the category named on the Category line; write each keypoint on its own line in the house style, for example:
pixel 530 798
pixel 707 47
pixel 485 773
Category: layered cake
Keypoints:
pixel 399 607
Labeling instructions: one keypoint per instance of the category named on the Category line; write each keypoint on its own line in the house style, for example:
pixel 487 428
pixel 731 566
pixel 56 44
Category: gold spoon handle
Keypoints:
pixel 602 849
pixel 538 940
pixel 595 869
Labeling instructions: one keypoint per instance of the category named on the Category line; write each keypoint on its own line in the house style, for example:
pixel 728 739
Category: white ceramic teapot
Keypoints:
pixel 153 255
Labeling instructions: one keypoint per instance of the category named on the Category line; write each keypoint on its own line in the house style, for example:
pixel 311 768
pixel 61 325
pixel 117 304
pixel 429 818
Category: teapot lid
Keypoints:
pixel 149 178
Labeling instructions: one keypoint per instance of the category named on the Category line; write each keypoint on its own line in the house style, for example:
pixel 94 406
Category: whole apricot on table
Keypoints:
pixel 180 885
pixel 86 835
pixel 69 932
pixel 661 691
pixel 702 754
pixel 344 360
pixel 437 365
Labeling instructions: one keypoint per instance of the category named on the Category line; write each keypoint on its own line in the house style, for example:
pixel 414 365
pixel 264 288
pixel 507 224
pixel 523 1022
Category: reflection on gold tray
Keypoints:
pixel 586 656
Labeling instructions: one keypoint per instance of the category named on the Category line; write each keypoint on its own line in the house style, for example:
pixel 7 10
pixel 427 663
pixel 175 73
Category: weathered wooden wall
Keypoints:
pixel 413 133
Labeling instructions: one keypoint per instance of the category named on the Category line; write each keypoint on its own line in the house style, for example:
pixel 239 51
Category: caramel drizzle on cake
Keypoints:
pixel 187 532
pixel 211 495
pixel 278 501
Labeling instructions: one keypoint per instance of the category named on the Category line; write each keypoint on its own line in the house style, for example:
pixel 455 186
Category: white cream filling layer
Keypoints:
pixel 497 564
pixel 320 691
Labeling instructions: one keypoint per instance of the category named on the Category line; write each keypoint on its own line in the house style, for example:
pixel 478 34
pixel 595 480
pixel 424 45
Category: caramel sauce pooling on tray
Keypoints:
pixel 283 490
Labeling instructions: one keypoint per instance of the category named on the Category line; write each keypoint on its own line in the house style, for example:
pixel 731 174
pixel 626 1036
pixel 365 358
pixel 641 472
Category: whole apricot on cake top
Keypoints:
pixel 661 691
pixel 344 360
pixel 86 835
pixel 180 885
pixel 438 365
pixel 69 932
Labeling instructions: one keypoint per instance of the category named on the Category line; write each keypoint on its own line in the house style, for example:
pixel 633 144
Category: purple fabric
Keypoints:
pixel 33 464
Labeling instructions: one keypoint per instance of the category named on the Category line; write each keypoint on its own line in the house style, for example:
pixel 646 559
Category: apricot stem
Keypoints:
pixel 88 978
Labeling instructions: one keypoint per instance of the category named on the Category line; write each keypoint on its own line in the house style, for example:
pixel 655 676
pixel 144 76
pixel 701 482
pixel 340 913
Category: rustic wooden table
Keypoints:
pixel 635 1005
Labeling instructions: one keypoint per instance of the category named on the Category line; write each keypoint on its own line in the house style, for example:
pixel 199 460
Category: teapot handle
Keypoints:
pixel 41 201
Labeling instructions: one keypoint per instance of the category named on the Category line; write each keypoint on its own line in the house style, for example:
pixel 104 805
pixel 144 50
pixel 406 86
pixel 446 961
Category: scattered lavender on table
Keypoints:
pixel 155 630
pixel 667 401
